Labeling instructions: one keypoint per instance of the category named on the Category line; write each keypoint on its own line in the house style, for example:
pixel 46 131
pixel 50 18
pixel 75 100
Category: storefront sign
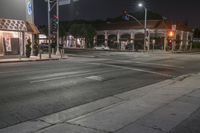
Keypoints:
pixel 8 45
pixel 29 8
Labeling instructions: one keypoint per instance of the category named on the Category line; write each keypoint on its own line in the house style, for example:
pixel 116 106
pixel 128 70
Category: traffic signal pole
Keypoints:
pixel 49 25
pixel 57 12
pixel 49 28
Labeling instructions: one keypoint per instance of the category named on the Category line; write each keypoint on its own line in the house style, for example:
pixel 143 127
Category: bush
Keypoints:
pixel 196 45
pixel 35 48
pixel 28 48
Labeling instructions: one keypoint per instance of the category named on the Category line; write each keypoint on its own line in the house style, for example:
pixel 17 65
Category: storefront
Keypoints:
pixel 14 35
pixel 123 35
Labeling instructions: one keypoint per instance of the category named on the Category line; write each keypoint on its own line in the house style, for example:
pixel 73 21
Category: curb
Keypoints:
pixel 74 115
pixel 75 55
pixel 36 60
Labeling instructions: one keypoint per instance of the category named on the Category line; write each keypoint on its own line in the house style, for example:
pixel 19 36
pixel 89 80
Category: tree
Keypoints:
pixel 43 29
pixel 28 48
pixel 64 29
pixel 196 33
pixel 82 30
pixel 91 32
pixel 35 48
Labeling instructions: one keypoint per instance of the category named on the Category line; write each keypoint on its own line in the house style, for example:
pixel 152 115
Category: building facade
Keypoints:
pixel 16 26
pixel 130 35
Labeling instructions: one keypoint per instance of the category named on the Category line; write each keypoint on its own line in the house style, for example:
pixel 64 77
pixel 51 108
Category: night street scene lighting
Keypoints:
pixel 145 26
pixel 99 66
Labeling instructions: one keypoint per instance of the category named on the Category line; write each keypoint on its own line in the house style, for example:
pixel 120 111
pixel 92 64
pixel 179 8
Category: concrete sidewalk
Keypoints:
pixel 44 57
pixel 157 108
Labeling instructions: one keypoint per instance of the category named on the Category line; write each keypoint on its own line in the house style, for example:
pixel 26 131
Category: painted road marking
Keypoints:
pixel 155 64
pixel 57 75
pixel 97 78
pixel 77 75
pixel 158 64
pixel 45 80
pixel 134 69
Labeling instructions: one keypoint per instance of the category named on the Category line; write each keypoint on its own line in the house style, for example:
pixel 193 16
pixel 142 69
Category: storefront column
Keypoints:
pixel 33 41
pixel 118 37
pixel 187 41
pixel 95 41
pixel 181 44
pixel 23 43
pixel 106 38
pixel 132 40
pixel 1 45
pixel 165 42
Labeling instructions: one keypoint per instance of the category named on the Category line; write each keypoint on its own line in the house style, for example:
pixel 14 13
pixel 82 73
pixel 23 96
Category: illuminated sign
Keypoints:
pixel 29 8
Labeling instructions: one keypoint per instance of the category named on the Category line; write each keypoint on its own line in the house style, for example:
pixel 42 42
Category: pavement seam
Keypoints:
pixel 165 104
pixel 46 127
pixel 96 111
pixel 184 121
pixel 122 99
pixel 104 131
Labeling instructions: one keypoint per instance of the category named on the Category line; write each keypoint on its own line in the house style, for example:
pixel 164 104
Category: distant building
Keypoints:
pixel 123 35
pixel 196 40
pixel 16 26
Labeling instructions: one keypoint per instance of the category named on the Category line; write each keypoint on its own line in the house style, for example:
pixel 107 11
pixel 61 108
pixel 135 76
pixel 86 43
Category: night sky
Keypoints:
pixel 176 10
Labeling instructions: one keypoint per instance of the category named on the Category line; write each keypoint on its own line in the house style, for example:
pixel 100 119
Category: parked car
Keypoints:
pixel 44 47
pixel 102 47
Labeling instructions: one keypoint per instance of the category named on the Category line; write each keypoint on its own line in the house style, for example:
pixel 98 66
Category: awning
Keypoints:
pixel 32 28
pixel 12 25
pixel 18 25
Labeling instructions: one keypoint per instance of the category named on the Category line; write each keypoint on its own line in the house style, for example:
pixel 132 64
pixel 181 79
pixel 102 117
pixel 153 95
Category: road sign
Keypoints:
pixel 64 2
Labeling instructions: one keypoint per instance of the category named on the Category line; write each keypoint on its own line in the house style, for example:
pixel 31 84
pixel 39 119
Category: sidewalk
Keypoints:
pixel 44 57
pixel 157 108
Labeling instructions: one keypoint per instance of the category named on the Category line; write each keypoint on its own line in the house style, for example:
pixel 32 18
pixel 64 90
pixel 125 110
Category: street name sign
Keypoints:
pixel 64 2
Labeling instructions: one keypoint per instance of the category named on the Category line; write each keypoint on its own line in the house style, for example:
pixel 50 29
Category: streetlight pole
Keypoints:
pixel 145 28
pixel 145 24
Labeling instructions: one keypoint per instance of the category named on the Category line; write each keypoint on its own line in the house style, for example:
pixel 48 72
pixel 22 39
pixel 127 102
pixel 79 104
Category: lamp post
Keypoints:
pixel 145 24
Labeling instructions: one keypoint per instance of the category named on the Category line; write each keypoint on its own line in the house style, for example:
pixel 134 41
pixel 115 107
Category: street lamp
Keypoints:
pixel 145 24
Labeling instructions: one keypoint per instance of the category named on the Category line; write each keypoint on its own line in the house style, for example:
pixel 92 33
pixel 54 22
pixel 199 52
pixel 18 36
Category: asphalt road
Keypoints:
pixel 35 89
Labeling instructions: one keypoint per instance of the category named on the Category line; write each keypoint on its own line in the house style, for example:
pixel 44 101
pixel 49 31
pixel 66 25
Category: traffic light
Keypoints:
pixel 171 34
pixel 125 12
pixel 54 24
pixel 125 15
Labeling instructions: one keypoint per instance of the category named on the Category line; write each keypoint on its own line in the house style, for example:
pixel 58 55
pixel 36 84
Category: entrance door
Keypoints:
pixel 15 46
pixel 12 46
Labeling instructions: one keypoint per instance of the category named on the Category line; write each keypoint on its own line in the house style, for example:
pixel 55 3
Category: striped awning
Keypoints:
pixel 18 25
pixel 32 28
pixel 12 25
